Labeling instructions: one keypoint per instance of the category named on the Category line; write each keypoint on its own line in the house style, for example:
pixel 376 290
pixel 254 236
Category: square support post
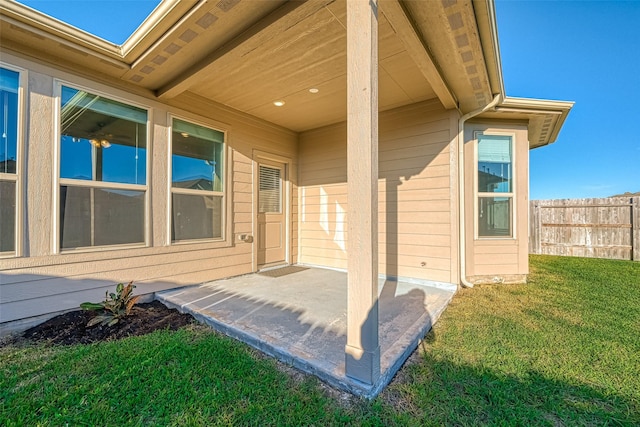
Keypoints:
pixel 362 351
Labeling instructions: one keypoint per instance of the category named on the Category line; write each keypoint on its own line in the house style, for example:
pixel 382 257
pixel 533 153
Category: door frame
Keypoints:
pixel 258 156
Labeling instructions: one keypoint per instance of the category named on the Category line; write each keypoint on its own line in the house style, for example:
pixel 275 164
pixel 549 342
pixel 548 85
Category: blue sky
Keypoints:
pixel 112 20
pixel 587 52
pixel 582 51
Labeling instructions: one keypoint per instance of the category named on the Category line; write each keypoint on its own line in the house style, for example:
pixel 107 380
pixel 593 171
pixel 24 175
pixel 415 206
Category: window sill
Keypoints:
pixel 109 248
pixel 496 238
pixel 197 241
pixel 4 255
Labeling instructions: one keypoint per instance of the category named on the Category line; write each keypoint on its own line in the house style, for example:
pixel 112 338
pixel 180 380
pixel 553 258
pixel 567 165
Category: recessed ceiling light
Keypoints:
pixel 314 90
pixel 278 103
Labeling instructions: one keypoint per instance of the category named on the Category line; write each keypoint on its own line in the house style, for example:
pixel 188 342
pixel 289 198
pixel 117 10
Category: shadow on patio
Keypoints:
pixel 300 318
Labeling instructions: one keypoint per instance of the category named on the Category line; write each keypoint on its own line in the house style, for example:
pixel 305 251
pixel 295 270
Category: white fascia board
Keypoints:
pixel 536 105
pixel 485 12
pixel 160 13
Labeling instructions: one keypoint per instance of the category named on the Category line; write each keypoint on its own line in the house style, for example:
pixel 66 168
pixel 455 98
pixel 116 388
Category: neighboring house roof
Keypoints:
pixel 247 54
pixel 194 183
pixel 627 194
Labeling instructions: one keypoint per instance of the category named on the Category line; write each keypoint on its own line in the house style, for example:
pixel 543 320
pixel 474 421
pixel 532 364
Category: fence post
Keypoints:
pixel 635 228
pixel 539 228
pixel 532 228
pixel 535 227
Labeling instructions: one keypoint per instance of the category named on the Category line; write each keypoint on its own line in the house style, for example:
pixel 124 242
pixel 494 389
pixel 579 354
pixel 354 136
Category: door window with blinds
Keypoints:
pixel 495 184
pixel 197 182
pixel 270 194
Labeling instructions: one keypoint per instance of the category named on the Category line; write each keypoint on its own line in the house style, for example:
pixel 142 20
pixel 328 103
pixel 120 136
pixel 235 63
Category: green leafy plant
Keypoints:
pixel 115 305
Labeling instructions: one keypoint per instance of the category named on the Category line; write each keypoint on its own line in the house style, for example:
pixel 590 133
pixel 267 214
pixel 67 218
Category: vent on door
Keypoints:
pixel 270 194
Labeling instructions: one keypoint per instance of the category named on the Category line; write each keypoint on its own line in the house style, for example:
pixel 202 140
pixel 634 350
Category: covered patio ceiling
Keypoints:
pixel 247 54
pixel 309 55
pixel 281 60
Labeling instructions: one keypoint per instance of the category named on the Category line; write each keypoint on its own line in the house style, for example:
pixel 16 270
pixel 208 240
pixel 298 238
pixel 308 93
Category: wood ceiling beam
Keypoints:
pixel 408 34
pixel 276 22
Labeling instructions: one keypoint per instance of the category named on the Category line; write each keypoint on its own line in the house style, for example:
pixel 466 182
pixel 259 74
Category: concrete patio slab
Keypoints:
pixel 300 318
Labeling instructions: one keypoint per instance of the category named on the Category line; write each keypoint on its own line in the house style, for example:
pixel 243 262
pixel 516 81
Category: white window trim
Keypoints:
pixel 171 190
pixel 18 178
pixel 101 184
pixel 58 181
pixel 477 194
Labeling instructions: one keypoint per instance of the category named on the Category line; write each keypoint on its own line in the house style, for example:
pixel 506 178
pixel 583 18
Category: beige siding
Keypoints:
pixel 414 191
pixel 498 259
pixel 43 282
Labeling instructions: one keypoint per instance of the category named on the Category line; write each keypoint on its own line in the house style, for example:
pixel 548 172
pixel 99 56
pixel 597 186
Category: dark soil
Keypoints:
pixel 71 328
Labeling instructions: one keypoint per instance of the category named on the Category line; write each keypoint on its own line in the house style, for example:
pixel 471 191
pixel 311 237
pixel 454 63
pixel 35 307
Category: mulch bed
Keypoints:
pixel 71 328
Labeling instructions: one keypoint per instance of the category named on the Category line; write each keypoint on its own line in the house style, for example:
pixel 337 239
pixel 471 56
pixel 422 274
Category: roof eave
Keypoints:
pixel 162 19
pixel 33 20
pixel 545 117
pixel 550 107
pixel 485 12
pixel 158 23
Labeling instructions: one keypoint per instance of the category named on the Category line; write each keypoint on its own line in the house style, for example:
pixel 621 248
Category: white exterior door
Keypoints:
pixel 272 227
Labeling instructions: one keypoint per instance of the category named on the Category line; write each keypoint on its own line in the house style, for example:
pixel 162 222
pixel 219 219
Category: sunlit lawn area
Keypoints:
pixel 562 350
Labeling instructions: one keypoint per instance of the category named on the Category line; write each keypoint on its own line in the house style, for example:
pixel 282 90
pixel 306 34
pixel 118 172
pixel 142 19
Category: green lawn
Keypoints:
pixel 561 350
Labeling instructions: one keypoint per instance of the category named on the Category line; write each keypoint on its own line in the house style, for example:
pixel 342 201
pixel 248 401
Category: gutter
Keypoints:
pixel 461 233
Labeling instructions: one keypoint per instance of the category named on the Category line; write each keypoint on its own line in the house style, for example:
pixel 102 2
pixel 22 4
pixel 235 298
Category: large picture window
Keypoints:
pixel 9 108
pixel 197 182
pixel 495 185
pixel 103 171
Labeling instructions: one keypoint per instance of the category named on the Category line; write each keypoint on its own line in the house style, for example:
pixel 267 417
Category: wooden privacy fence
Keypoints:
pixel 596 228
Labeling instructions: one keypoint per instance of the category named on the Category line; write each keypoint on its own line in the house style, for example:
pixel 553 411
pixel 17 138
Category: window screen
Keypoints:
pixel 100 217
pixel 7 216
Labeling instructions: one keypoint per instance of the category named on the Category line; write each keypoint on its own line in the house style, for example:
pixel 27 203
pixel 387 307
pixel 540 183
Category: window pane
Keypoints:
pixel 197 160
pixel 101 139
pixel 269 196
pixel 100 217
pixel 196 217
pixel 7 216
pixel 494 216
pixel 495 173
pixel 9 83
